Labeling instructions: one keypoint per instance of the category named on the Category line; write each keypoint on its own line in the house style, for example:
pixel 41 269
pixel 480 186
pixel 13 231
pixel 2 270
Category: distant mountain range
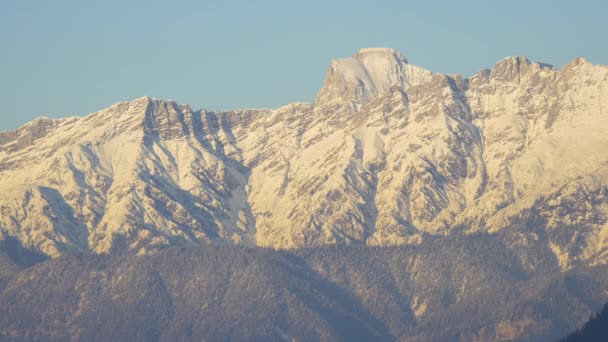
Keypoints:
pixel 390 159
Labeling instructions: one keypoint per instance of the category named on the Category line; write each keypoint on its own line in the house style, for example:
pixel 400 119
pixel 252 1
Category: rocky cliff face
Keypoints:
pixel 387 154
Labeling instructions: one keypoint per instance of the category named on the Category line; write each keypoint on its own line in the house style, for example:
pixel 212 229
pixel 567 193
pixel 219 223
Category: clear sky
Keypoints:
pixel 65 58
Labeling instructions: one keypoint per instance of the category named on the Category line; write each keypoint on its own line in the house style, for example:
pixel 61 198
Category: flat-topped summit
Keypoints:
pixel 380 52
pixel 368 73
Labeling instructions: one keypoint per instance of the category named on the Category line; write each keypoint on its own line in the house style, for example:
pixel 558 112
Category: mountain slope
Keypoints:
pixel 446 289
pixel 215 293
pixel 594 330
pixel 387 154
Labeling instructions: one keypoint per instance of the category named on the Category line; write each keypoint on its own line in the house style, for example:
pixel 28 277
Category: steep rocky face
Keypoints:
pixel 135 176
pixel 388 154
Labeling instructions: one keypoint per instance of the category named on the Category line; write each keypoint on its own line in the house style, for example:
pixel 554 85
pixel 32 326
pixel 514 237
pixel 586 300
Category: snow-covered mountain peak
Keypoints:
pixel 379 54
pixel 514 67
pixel 142 100
pixel 580 62
pixel 367 74
pixel 514 59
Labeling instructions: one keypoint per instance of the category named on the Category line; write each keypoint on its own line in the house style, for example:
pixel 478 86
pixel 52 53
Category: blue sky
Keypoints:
pixel 66 58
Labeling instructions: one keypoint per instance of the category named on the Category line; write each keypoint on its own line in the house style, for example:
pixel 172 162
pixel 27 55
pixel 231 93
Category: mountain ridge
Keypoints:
pixel 378 159
pixel 575 61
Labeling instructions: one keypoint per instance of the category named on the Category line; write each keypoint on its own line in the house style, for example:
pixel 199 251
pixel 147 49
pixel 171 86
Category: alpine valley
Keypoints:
pixel 400 205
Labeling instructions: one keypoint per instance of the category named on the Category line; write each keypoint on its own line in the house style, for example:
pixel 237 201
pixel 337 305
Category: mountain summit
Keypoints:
pixel 388 154
pixel 367 74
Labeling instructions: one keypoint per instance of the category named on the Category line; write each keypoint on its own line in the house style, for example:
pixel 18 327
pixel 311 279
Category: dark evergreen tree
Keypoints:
pixel 596 329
